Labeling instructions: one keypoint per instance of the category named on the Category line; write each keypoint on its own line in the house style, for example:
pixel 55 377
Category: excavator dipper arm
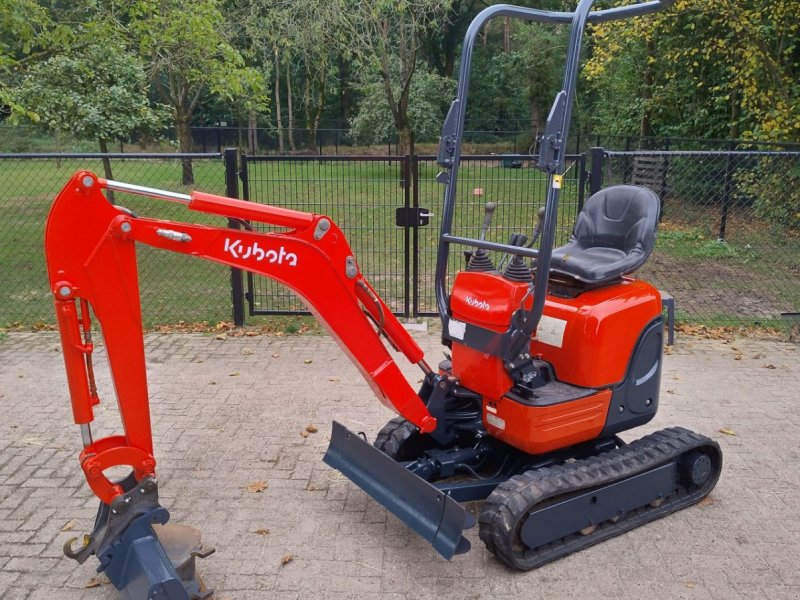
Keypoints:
pixel 91 257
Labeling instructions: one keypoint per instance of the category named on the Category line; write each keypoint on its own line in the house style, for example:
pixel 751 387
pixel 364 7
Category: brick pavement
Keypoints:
pixel 228 412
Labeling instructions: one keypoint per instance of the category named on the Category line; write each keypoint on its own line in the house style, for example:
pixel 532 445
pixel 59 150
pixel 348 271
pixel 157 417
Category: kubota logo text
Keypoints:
pixel 280 256
pixel 475 303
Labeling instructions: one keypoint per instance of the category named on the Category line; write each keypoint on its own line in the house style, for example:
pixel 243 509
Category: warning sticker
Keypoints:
pixel 551 331
pixel 495 421
pixel 456 329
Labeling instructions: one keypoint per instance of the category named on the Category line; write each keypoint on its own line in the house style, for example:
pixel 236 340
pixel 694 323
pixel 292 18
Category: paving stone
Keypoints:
pixel 211 440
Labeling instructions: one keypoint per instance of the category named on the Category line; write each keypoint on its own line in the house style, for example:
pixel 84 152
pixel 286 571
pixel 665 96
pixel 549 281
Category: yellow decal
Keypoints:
pixel 557 179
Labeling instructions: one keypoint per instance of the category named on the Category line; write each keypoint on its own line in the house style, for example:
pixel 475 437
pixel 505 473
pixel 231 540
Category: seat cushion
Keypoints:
pixel 613 236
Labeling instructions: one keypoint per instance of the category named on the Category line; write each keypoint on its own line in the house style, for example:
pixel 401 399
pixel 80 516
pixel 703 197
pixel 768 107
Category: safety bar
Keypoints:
pixel 449 153
pixel 521 250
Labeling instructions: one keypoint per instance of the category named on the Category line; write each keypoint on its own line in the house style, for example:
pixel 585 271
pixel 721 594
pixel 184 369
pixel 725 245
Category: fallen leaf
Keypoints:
pixel 68 526
pixel 670 391
pixel 759 356
pixel 286 559
pixel 335 379
pixel 256 486
pixel 247 352
pixel 213 383
pixel 222 336
pixel 262 531
pixel 308 361
pixel 311 428
pixel 234 374
pixel 304 433
pixel 276 355
pixel 768 367
pixel 251 333
pixel 690 584
pixel 668 350
pixel 92 583
pixel 707 501
pixel 727 431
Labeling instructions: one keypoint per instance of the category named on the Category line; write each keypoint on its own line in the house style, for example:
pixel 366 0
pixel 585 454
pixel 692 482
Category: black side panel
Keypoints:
pixel 635 401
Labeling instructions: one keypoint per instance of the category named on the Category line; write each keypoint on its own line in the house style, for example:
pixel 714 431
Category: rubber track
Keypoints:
pixel 510 503
pixel 393 435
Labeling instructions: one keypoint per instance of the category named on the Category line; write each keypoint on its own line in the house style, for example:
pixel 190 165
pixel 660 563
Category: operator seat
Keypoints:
pixel 613 236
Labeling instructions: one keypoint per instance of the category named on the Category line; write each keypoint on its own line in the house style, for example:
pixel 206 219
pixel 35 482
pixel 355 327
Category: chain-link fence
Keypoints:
pixel 728 246
pixel 174 287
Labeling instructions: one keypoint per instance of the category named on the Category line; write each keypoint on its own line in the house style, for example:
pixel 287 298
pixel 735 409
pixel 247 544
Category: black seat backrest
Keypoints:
pixel 623 217
pixel 613 236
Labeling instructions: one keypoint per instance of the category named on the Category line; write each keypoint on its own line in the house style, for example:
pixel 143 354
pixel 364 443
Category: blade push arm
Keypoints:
pixel 90 252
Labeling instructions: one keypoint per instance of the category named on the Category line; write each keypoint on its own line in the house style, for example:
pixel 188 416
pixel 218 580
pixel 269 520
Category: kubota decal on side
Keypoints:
pixel 475 303
pixel 239 250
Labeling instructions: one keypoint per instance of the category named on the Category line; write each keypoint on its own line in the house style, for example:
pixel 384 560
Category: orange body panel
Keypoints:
pixel 487 300
pixel 588 340
pixel 602 327
pixel 539 429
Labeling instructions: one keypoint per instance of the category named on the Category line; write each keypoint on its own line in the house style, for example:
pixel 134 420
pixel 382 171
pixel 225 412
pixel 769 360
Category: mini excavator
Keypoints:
pixel 551 354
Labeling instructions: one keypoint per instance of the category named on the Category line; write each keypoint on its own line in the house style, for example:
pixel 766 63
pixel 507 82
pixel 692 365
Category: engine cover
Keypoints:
pixel 588 339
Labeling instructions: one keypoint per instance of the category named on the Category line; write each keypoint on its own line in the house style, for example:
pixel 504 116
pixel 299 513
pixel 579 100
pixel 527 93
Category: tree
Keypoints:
pixel 99 94
pixel 187 49
pixel 386 37
pixel 707 68
pixel 374 123
pixel 305 35
pixel 28 34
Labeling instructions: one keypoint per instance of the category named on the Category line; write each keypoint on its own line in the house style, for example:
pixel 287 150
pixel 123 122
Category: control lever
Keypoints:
pixel 537 231
pixel 487 219
pixel 479 260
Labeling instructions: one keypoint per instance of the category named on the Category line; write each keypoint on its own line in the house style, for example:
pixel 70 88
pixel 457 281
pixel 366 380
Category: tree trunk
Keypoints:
pixel 645 127
pixel 311 133
pixel 252 132
pixel 405 144
pixel 107 168
pixel 289 106
pixel 184 132
pixel 507 34
pixel 278 118
pixel 733 129
pixel 345 96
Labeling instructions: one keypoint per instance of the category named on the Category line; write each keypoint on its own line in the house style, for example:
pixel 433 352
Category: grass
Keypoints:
pixel 751 276
pixel 360 197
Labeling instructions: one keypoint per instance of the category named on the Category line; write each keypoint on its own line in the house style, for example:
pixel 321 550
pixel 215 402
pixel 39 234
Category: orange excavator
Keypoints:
pixel 550 354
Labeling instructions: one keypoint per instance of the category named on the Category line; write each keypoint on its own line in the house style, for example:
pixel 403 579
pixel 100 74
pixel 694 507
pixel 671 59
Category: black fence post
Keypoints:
pixel 727 191
pixel 581 181
pixel 596 175
pixel 232 191
pixel 415 237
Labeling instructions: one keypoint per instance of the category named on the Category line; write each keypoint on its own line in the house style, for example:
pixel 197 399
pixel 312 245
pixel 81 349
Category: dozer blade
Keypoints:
pixel 432 514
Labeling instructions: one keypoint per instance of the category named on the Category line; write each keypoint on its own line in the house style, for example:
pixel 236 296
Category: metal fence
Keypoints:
pixel 375 200
pixel 728 246
pixel 174 287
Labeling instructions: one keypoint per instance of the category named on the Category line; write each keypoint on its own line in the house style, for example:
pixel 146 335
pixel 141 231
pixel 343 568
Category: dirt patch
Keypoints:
pixel 706 288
